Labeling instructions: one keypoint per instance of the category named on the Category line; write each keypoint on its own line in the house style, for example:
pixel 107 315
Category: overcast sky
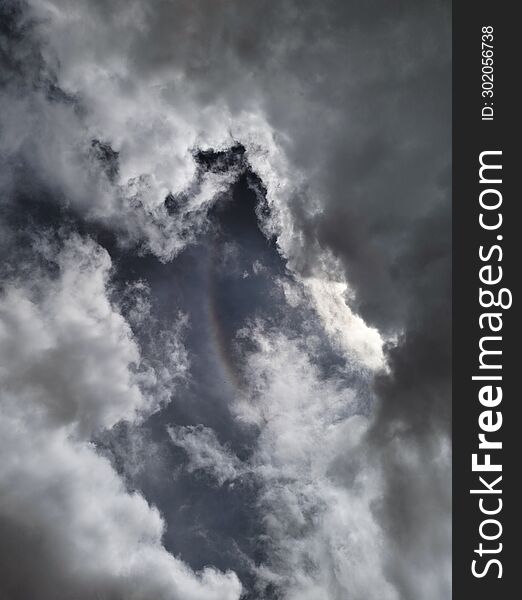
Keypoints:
pixel 225 309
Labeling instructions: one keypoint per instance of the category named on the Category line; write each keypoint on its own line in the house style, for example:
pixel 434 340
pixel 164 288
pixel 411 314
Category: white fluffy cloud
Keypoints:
pixel 65 349
pixel 318 485
pixel 71 367
pixel 348 331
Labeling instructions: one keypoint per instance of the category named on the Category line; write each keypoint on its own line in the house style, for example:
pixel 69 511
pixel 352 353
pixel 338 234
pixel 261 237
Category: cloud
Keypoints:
pixel 347 329
pixel 66 350
pixel 70 368
pixel 343 111
pixel 205 453
pixel 321 536
pixel 113 156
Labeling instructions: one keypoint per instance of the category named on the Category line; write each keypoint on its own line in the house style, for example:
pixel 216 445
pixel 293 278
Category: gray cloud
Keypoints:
pixel 70 366
pixel 321 536
pixel 343 112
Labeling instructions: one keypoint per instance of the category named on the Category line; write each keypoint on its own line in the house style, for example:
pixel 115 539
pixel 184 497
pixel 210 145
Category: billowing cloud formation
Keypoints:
pixel 317 483
pixel 70 366
pixel 341 113
pixel 65 348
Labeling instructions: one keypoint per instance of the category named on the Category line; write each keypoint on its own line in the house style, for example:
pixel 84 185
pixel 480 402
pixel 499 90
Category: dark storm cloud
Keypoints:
pixel 369 115
pixel 338 117
pixel 415 408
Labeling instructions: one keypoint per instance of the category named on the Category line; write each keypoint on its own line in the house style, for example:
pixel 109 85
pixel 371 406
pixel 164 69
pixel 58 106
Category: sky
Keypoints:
pixel 225 302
